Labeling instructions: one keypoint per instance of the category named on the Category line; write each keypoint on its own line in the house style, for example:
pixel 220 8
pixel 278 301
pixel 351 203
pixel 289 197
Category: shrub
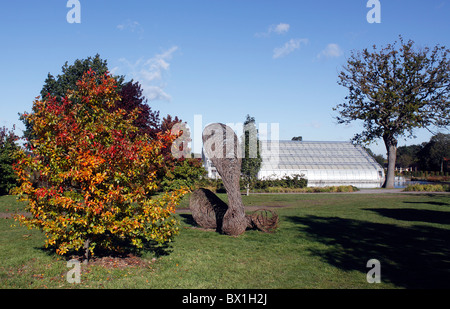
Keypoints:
pixel 185 172
pixel 294 181
pixel 330 189
pixel 428 188
pixel 97 179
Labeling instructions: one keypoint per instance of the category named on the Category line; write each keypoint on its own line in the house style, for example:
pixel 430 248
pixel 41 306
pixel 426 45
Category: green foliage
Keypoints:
pixel 428 156
pixel 251 162
pixel 432 154
pixel 331 189
pixel 185 173
pixel 71 74
pixel 7 149
pixel 378 157
pixel 294 181
pixel 408 155
pixel 394 91
pixel 428 188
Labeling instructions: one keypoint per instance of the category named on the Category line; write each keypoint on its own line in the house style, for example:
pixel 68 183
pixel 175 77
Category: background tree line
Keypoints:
pixel 428 156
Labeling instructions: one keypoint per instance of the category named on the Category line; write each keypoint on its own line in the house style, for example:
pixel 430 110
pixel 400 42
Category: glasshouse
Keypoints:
pixel 322 163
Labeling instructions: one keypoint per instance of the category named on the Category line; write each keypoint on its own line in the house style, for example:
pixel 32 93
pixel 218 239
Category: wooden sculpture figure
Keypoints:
pixel 221 145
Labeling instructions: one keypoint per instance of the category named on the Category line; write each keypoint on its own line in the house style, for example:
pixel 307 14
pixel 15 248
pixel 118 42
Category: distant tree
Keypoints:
pixel 131 98
pixel 71 74
pixel 407 156
pixel 431 156
pixel 394 91
pixel 379 158
pixel 251 161
pixel 168 122
pixel 297 138
pixel 7 149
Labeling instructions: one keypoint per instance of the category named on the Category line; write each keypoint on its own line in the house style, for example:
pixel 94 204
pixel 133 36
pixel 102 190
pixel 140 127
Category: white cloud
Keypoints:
pixel 281 28
pixel 132 26
pixel 149 73
pixel 289 47
pixel 331 51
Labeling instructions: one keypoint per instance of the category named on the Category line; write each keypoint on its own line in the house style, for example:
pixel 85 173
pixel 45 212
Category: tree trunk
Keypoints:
pixel 391 147
pixel 86 251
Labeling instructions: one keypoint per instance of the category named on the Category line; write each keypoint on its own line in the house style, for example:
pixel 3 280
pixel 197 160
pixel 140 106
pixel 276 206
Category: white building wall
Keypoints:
pixel 325 178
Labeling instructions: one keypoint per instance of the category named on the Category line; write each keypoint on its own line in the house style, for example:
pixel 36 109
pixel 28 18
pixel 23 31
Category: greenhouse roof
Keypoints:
pixel 296 155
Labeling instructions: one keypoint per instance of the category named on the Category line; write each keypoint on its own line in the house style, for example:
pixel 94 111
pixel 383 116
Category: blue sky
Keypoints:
pixel 275 60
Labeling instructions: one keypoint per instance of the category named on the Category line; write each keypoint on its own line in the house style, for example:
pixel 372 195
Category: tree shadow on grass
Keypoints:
pixel 429 203
pixel 411 214
pixel 415 257
pixel 188 219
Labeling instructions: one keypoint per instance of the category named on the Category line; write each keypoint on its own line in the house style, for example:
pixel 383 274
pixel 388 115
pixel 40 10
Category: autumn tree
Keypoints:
pixel 97 180
pixel 131 98
pixel 394 91
pixel 58 85
pixel 182 169
pixel 130 93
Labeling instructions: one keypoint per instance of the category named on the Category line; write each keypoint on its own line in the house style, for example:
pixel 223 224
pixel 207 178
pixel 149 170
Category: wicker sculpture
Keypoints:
pixel 221 145
pixel 207 209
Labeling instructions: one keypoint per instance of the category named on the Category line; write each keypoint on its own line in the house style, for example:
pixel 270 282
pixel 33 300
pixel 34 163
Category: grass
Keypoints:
pixel 324 241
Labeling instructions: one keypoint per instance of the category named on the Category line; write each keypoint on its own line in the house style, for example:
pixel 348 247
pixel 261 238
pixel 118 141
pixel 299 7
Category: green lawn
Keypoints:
pixel 324 241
